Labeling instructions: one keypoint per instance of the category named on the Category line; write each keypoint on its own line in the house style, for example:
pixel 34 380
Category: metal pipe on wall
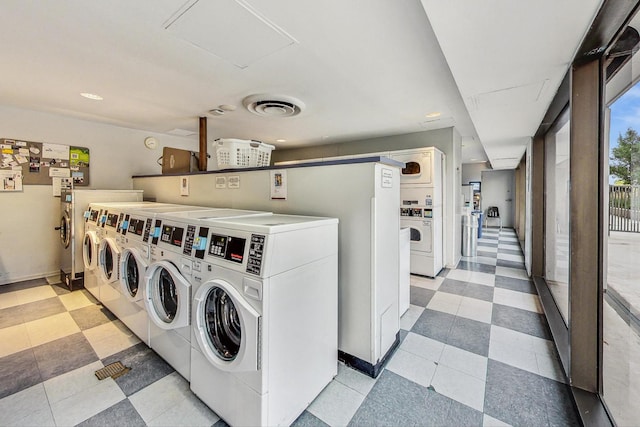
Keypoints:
pixel 202 154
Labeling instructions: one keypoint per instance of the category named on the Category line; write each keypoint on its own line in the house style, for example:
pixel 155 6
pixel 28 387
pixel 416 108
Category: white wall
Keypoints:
pixel 28 242
pixel 447 140
pixel 498 189
pixel 473 172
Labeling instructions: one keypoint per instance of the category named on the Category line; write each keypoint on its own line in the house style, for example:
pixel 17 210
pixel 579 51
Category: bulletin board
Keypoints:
pixel 40 162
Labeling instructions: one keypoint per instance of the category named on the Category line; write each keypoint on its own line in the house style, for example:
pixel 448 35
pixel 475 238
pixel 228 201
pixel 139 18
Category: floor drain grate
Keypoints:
pixel 113 370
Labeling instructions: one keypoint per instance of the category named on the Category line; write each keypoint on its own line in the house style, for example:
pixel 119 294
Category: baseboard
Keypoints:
pixel 14 279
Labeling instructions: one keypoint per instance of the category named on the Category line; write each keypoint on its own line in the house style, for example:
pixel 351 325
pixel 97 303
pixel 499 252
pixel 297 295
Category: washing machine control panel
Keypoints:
pixel 256 250
pixel 136 226
pixel 172 235
pixel 227 247
pixel 112 220
pixel 415 212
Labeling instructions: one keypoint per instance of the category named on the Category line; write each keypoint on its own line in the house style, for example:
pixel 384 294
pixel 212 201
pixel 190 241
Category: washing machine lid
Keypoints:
pixel 90 249
pixel 215 214
pixel 167 296
pixel 227 328
pixel 271 224
pixel 108 260
pixel 133 267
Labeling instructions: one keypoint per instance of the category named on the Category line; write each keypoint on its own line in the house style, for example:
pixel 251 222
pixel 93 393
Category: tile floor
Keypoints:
pixel 475 350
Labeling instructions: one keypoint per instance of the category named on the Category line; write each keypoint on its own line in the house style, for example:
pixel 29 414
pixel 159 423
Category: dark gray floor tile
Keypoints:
pixel 476 266
pixel 487 254
pixel 307 419
pixel 18 286
pixel 453 286
pixel 64 355
pixel 43 308
pixel 509 251
pixel 420 296
pixel 60 288
pixel 122 414
pixel 487 244
pixel 470 335
pixel 18 371
pixel 510 264
pixel 434 324
pixel 521 320
pixel 444 272
pixel 91 316
pixel 402 334
pixel 146 368
pixel 477 291
pixel 220 423
pixel 11 316
pixel 462 415
pixel 514 396
pixel 472 290
pixel 560 408
pixel 519 285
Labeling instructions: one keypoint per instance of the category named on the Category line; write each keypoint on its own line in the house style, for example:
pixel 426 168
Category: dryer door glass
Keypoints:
pixel 65 231
pixel 165 296
pixel 106 261
pixel 87 245
pixel 132 274
pixel 222 323
pixel 411 168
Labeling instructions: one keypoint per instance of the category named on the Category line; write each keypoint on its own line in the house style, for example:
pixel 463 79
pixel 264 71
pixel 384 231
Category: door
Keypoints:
pixel 132 270
pixel 108 259
pixel 167 295
pixel 90 248
pixel 226 327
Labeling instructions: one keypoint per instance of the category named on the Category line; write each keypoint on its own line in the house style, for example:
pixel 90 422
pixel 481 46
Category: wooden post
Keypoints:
pixel 202 156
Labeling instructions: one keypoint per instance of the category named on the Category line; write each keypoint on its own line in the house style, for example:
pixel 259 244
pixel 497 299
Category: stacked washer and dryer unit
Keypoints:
pixel 265 309
pixel 422 198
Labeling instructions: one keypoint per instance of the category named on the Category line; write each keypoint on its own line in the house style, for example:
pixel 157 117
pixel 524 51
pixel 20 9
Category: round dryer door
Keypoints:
pixel 227 327
pixel 167 296
pixel 132 270
pixel 109 255
pixel 90 248
pixel 65 230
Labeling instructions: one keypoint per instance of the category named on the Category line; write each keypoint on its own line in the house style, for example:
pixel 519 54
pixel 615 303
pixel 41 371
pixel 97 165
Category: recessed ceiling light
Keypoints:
pixel 281 140
pixel 434 114
pixel 91 96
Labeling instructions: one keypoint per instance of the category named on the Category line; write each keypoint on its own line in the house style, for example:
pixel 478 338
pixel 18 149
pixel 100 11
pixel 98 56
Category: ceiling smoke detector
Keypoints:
pixel 273 105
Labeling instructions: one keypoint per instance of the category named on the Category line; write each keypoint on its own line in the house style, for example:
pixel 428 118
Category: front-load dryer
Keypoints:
pixel 265 316
pixel 167 285
pixel 90 248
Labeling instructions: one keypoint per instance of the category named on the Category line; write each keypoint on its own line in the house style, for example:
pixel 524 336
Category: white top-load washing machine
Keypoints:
pixel 167 283
pixel 265 317
pixel 73 204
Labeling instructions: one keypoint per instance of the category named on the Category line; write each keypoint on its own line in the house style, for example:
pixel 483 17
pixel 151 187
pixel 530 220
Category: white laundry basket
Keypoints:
pixel 241 153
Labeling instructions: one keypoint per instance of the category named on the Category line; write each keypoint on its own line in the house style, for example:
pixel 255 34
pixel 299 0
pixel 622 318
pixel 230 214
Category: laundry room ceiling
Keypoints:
pixel 360 68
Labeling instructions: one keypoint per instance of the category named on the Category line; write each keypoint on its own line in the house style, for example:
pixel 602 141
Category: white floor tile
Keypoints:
pixel 8 299
pixel 513 245
pixel 426 282
pixel 472 276
pixel 511 257
pixel 75 300
pixel 51 328
pixel 20 408
pixel 486 260
pixel 353 379
pixel 110 338
pixel 337 404
pixel 464 361
pixel 512 338
pixel 189 412
pixel 74 382
pixel 491 249
pixel 159 397
pixel 412 367
pixel 459 386
pixel 445 302
pixel 514 356
pixel 515 273
pixel 517 299
pixel 493 422
pixel 550 367
pixel 37 293
pixel 81 406
pixel 475 309
pixel 410 317
pixel 14 339
pixel 423 347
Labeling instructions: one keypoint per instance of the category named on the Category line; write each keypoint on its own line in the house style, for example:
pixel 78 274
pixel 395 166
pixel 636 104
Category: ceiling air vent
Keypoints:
pixel 273 105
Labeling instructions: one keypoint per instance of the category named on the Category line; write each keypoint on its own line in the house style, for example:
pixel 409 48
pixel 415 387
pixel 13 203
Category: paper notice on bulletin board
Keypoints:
pixel 55 151
pixel 10 180
pixel 279 184
pixel 78 157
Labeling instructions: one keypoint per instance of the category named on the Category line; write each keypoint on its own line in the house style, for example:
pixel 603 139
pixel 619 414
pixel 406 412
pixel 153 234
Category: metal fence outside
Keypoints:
pixel 624 208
